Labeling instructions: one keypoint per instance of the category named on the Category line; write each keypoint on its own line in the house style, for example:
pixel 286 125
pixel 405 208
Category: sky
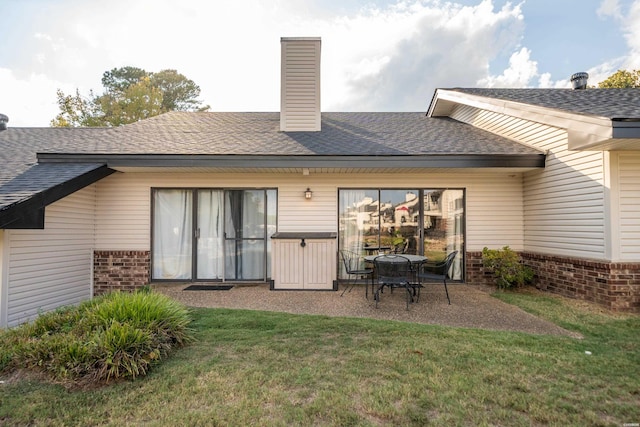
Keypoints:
pixel 377 55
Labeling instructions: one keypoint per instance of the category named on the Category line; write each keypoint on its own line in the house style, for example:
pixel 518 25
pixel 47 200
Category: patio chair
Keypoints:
pixel 436 271
pixel 355 267
pixel 393 271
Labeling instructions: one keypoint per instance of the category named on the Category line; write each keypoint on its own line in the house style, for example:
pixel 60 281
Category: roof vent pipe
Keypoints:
pixel 579 80
pixel 3 122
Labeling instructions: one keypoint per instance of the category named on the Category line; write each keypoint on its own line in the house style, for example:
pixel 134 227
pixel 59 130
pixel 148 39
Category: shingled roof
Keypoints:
pixel 41 165
pixel 342 134
pixel 26 187
pixel 614 104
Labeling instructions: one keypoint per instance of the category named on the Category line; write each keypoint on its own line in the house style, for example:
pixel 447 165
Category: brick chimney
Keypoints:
pixel 300 84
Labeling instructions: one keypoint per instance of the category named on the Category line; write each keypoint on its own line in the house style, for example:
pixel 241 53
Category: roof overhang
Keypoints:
pixel 585 132
pixel 29 213
pixel 116 161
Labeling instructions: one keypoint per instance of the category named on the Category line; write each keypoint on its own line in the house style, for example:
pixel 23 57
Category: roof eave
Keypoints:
pixel 29 212
pixel 115 161
pixel 624 136
pixel 585 132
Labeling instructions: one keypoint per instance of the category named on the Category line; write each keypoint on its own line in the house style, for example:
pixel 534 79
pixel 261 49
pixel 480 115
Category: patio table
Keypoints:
pixel 414 260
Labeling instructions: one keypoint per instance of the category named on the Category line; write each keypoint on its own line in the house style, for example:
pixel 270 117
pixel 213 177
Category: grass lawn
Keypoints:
pixel 258 368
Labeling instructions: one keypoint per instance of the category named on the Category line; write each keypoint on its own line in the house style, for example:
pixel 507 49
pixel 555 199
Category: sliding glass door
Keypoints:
pixel 245 234
pixel 212 234
pixel 428 222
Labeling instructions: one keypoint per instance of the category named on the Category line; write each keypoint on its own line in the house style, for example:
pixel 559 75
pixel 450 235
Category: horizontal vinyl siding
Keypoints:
pixel 629 205
pixel 51 268
pixel 300 85
pixel 564 209
pixel 3 280
pixel 494 202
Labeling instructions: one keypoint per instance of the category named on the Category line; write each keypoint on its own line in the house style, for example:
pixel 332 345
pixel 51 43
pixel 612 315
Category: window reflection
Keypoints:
pixel 428 222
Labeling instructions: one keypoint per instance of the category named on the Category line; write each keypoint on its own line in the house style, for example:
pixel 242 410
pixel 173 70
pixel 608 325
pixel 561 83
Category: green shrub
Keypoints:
pixel 506 266
pixel 114 336
pixel 125 351
pixel 167 319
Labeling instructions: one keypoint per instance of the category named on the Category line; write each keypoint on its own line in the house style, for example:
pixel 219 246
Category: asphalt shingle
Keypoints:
pixel 342 134
pixel 609 103
pixel 186 133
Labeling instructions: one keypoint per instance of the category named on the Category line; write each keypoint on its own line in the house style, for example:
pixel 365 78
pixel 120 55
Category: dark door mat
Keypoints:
pixel 208 288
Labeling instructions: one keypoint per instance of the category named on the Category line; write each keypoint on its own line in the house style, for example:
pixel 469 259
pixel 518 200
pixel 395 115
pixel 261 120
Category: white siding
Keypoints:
pixel 564 204
pixel 494 202
pixel 51 268
pixel 300 84
pixel 628 205
pixel 4 281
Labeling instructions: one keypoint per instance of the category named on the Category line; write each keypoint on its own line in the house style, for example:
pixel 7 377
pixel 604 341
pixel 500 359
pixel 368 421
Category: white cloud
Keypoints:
pixel 522 70
pixel 421 45
pixel 389 57
pixel 27 101
pixel 609 8
pixel 631 28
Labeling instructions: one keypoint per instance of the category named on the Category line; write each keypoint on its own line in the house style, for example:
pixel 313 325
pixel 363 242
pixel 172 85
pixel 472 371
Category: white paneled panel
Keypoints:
pixel 628 174
pixel 569 193
pixel 300 84
pixel 312 267
pixel 286 266
pixel 4 279
pixel 494 201
pixel 50 268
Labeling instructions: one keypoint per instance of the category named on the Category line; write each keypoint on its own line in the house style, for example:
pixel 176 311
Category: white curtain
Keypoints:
pixel 210 243
pixel 172 239
pixel 352 217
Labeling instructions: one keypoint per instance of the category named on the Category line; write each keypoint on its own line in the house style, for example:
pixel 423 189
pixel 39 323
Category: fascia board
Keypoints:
pixel 587 130
pixel 235 161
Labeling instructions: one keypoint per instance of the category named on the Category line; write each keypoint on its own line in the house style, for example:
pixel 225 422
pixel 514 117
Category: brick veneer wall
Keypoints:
pixel 474 272
pixel 120 270
pixel 613 285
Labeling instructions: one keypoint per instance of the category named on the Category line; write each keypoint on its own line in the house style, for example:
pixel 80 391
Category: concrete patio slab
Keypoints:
pixel 471 306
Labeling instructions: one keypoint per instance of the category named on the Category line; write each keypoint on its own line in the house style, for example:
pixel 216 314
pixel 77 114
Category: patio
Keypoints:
pixel 471 306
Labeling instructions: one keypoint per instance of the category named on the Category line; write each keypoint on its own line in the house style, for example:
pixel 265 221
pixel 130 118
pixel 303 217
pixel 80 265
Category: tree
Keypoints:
pixel 178 92
pixel 119 79
pixel 75 111
pixel 130 94
pixel 622 79
pixel 138 101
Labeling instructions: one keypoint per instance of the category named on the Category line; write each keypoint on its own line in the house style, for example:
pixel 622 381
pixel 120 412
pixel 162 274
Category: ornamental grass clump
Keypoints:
pixel 114 336
pixel 506 266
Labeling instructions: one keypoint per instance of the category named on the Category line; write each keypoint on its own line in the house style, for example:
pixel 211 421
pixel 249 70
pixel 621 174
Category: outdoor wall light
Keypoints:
pixel 307 194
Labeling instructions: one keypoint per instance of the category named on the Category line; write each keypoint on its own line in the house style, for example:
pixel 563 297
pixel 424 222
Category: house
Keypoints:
pixel 271 197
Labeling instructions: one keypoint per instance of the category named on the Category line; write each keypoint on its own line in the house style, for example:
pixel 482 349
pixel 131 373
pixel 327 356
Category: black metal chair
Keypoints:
pixel 393 271
pixel 354 265
pixel 436 271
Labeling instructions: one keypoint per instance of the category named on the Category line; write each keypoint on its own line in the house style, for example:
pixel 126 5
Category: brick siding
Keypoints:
pixel 613 285
pixel 120 270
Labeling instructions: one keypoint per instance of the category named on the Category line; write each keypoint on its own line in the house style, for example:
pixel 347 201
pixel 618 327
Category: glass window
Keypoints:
pixel 427 222
pixel 213 234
